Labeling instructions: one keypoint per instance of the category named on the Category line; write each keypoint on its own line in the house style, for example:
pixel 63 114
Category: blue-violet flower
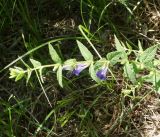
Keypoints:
pixel 80 67
pixel 101 74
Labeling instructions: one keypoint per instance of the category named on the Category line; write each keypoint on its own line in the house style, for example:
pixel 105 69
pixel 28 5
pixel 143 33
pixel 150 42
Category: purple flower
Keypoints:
pixel 101 74
pixel 79 68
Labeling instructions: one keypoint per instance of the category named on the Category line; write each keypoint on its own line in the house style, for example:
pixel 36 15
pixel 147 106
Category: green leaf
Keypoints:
pixel 55 57
pixel 92 73
pixel 129 72
pixel 35 63
pixel 140 46
pixel 156 62
pixel 29 72
pixel 153 78
pixel 59 76
pixel 84 51
pixel 19 76
pixel 98 64
pixel 64 119
pixel 129 46
pixel 114 57
pixel 70 62
pixel 119 44
pixel 41 76
pixel 148 55
pixel 126 92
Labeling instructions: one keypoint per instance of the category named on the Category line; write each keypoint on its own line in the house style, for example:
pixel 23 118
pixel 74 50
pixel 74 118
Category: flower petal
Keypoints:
pixel 79 68
pixel 101 74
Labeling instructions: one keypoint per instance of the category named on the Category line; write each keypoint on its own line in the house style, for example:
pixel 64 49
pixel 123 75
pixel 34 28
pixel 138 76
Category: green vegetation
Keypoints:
pixel 81 68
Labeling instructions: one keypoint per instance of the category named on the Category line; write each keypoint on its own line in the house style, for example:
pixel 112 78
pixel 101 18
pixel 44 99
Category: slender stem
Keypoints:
pixel 81 10
pixel 43 89
pixel 38 47
pixel 81 29
pixel 102 13
pixel 40 67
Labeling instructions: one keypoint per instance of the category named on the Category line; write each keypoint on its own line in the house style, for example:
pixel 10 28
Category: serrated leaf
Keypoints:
pixel 118 44
pixel 59 76
pixel 92 73
pixel 149 64
pixel 129 72
pixel 35 63
pixel 114 57
pixel 156 62
pixel 148 55
pixel 55 57
pixel 84 51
